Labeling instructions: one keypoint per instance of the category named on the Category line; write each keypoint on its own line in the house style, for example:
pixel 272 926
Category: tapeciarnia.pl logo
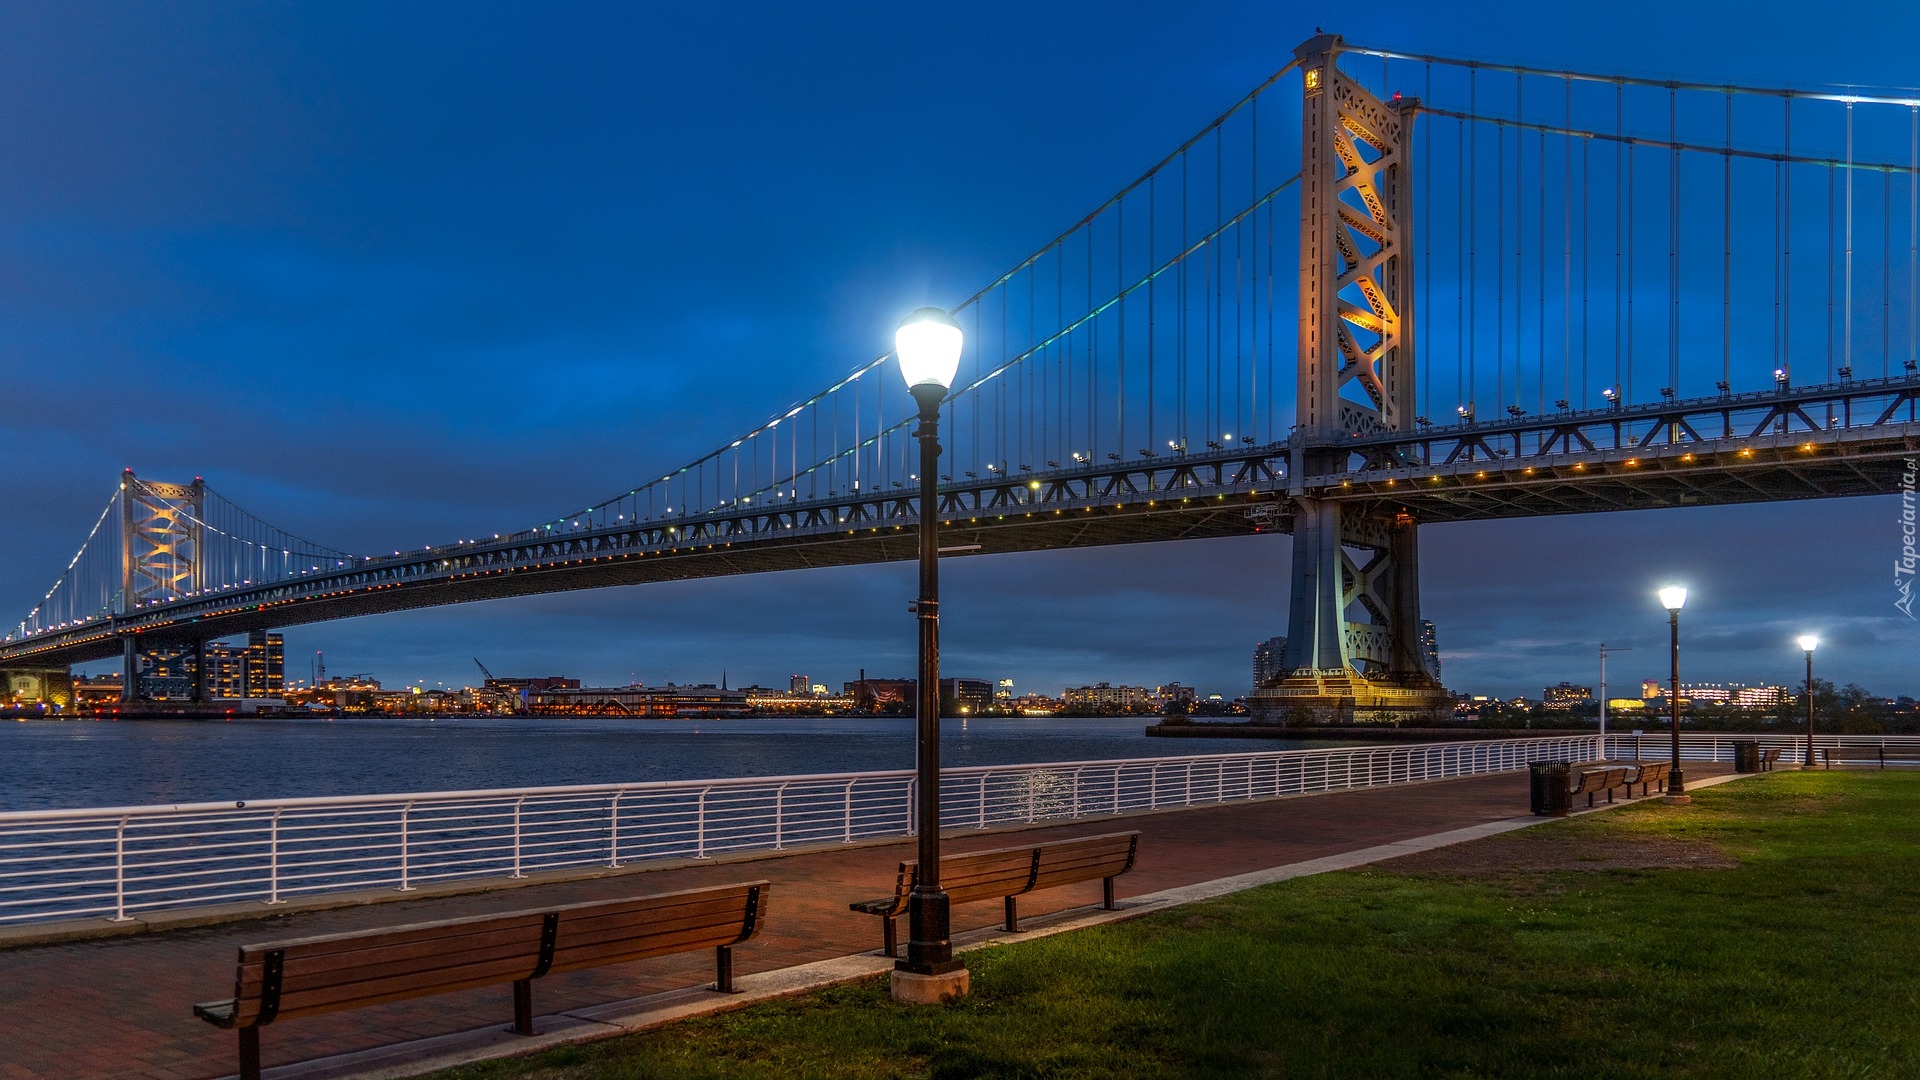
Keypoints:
pixel 1903 567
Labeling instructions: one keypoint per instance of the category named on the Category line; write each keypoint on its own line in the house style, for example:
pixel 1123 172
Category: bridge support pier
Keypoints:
pixel 129 669
pixel 199 693
pixel 1337 669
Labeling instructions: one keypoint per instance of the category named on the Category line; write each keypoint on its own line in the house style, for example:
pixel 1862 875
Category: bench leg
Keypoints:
pixel 249 1053
pixel 523 1007
pixel 723 969
pixel 1106 893
pixel 887 941
pixel 1013 915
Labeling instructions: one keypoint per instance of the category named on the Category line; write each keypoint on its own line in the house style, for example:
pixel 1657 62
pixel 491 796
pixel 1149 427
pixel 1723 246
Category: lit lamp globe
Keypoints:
pixel 1673 597
pixel 1808 642
pixel 928 344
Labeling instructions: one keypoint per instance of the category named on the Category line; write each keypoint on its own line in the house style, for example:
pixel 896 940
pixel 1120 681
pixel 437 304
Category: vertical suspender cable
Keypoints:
pixel 1566 249
pixel 1519 233
pixel 1913 234
pixel 1619 219
pixel 1726 252
pixel 1463 232
pixel 1425 225
pixel 1586 259
pixel 1830 247
pixel 1153 279
pixel 1500 267
pixel 1628 393
pixel 1786 245
pixel 1540 291
pixel 1847 303
pixel 1673 241
pixel 1120 286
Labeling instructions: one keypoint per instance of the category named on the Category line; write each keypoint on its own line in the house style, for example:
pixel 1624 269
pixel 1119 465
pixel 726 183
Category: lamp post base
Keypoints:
pixel 1676 800
pixel 912 988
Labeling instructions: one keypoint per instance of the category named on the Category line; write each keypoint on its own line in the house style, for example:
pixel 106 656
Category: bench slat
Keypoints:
pixel 303 1001
pixel 314 967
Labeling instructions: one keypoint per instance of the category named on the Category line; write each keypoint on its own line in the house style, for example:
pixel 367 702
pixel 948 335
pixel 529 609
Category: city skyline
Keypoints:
pixel 426 321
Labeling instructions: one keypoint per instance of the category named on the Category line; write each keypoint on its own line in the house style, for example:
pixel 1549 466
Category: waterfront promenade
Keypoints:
pixel 121 1007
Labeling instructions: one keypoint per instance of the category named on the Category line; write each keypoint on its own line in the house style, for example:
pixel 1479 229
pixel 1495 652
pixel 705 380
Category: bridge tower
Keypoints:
pixel 160 559
pixel 1353 639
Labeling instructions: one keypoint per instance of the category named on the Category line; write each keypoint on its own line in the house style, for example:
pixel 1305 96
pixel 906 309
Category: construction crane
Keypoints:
pixel 511 696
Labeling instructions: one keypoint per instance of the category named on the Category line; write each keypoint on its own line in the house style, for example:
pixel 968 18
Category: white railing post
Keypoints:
pixel 846 834
pixel 517 804
pixel 913 801
pixel 983 800
pixel 1187 799
pixel 1076 792
pixel 613 829
pixel 779 816
pixel 273 860
pixel 700 836
pixel 120 871
pixel 406 811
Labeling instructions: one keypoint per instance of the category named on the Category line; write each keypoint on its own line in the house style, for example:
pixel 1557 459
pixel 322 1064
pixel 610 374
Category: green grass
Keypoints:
pixel 1802 961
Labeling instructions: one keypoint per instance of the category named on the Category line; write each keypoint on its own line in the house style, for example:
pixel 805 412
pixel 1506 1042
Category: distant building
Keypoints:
pixel 1650 689
pixel 265 658
pixel 1266 661
pixel 1430 648
pixel 1565 696
pixel 1174 695
pixel 799 684
pixel 877 693
pixel 703 699
pixel 1035 705
pixel 1105 696
pixel 1734 695
pixel 967 695
pixel 1004 691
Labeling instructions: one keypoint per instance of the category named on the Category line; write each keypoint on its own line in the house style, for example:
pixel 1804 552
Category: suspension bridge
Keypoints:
pixel 1381 290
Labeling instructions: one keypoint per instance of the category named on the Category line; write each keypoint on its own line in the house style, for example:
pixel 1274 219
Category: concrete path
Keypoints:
pixel 121 1007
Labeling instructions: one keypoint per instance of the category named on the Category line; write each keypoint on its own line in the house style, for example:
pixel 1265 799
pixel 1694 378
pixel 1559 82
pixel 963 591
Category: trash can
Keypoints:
pixel 1550 788
pixel 1746 755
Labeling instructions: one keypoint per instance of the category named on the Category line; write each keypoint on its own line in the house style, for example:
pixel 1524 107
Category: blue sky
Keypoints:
pixel 394 274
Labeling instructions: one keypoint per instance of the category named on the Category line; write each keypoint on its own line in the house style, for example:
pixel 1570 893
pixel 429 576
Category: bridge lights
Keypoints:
pixel 1808 643
pixel 1466 412
pixel 1673 597
pixel 1612 394
pixel 928 344
pixel 1780 378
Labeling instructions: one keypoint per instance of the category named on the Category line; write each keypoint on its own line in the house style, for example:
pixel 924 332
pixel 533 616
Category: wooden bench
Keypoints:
pixel 1881 754
pixel 1010 873
pixel 304 976
pixel 1769 758
pixel 1594 781
pixel 1651 776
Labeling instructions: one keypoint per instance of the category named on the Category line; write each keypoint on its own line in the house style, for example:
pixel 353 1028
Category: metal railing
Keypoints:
pixel 1657 745
pixel 117 862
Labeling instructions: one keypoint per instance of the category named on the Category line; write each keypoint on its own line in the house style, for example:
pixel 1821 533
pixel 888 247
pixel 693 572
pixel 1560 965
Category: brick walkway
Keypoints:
pixel 121 1007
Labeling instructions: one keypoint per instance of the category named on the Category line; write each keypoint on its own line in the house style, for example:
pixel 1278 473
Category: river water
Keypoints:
pixel 48 764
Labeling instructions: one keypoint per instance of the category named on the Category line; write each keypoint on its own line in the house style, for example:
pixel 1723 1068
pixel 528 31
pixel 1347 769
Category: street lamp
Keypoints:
pixel 1809 642
pixel 928 345
pixel 1673 598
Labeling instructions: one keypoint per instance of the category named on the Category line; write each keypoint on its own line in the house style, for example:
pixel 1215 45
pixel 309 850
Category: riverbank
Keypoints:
pixel 1352 732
